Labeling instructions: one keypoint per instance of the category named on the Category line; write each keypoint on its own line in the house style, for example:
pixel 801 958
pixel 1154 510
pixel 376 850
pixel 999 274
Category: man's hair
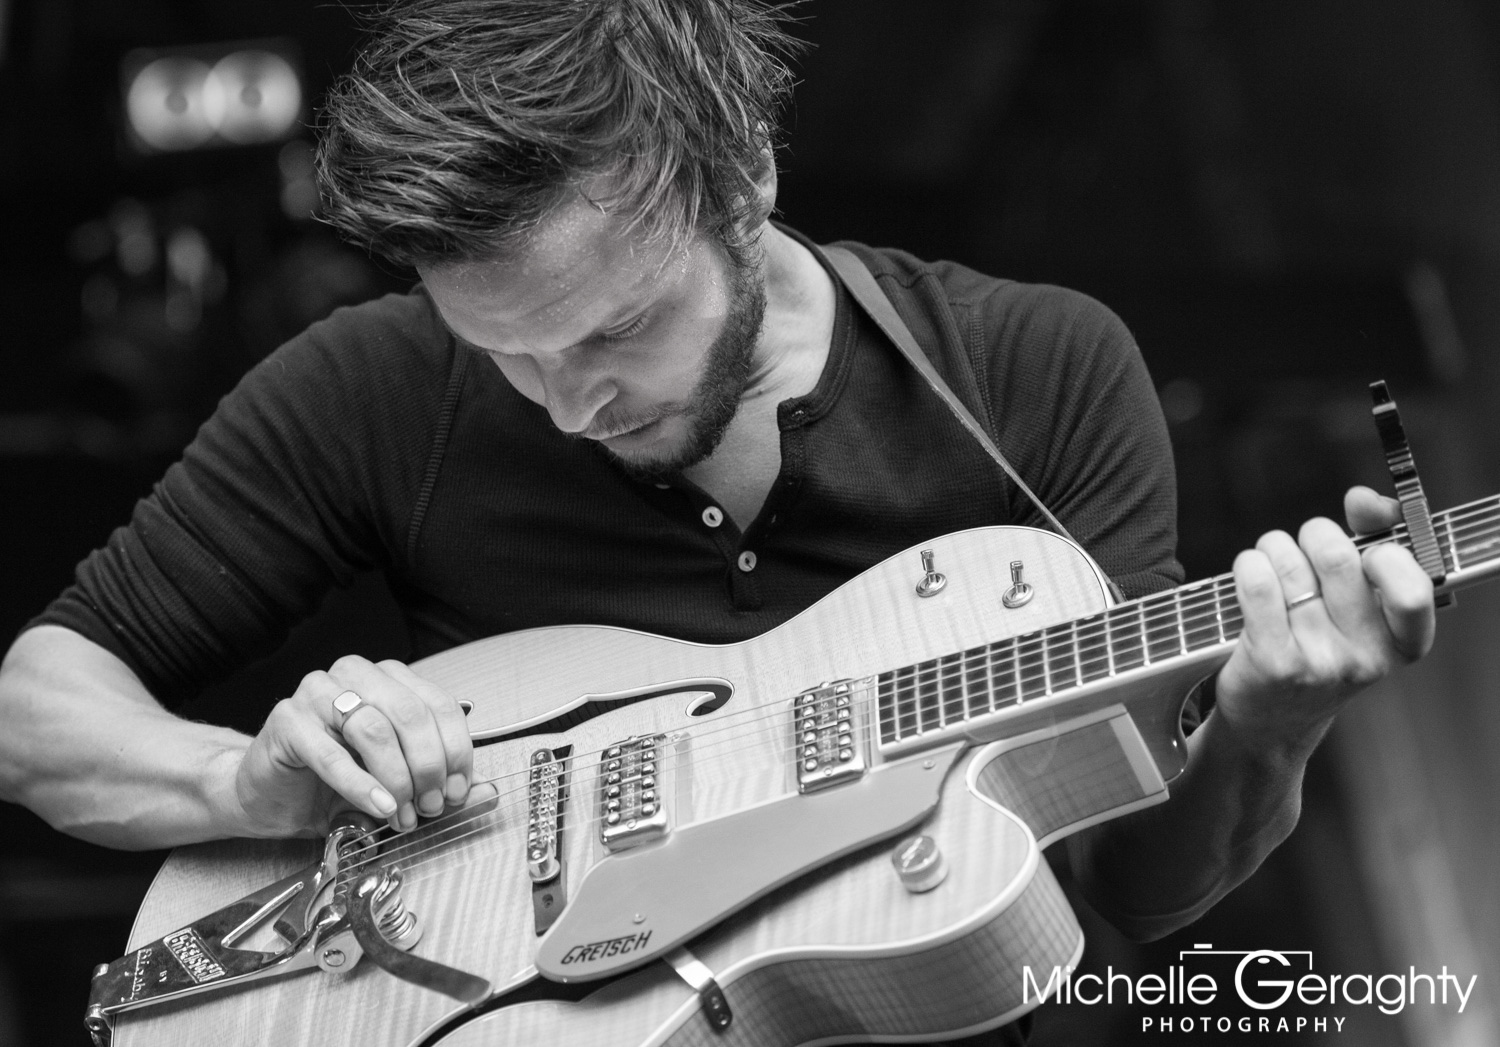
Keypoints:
pixel 466 122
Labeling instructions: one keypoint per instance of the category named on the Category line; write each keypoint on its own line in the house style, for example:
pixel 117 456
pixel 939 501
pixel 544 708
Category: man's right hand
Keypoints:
pixel 403 750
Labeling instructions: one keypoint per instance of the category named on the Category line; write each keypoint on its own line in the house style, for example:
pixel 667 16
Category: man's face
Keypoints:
pixel 643 349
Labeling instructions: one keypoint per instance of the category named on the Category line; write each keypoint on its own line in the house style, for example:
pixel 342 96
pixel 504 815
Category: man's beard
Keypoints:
pixel 726 370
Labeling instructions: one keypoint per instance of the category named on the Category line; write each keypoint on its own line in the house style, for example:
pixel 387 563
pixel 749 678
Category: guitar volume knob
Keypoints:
pixel 919 864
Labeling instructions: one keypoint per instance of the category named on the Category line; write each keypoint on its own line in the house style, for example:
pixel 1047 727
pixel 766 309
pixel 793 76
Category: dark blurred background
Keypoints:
pixel 1284 200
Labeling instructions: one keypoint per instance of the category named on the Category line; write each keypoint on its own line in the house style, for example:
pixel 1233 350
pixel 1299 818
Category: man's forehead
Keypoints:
pixel 577 252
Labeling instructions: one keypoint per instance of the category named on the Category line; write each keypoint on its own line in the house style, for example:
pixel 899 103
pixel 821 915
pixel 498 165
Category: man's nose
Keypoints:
pixel 574 395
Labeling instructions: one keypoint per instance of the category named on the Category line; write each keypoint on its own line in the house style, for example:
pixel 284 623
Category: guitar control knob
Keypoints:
pixel 919 864
pixel 933 581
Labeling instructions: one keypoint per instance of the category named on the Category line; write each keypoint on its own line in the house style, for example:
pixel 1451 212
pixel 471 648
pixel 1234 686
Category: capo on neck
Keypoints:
pixel 1414 508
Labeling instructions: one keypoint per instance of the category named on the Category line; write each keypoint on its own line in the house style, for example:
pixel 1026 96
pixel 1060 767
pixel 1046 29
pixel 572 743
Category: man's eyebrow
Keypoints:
pixel 626 311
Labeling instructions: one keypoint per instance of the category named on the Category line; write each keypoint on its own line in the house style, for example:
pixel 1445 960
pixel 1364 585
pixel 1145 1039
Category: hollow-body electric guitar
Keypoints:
pixel 829 832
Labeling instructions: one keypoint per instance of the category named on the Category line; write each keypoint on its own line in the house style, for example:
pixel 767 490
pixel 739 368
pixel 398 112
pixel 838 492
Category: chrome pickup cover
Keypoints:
pixel 826 741
pixel 630 807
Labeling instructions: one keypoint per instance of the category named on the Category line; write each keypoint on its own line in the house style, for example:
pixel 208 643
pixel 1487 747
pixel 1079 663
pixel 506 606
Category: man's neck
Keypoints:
pixel 798 327
pixel 789 359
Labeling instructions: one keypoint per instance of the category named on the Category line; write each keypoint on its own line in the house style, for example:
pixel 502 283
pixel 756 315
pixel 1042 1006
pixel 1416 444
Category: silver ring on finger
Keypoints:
pixel 1298 601
pixel 344 706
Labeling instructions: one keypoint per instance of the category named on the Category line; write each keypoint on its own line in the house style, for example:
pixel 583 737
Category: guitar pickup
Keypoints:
pixel 631 811
pixel 826 740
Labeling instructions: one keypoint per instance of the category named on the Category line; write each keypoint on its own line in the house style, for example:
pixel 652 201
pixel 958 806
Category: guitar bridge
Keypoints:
pixel 544 817
pixel 548 796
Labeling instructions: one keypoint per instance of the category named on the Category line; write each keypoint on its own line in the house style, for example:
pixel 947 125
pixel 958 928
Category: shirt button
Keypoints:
pixel 747 561
pixel 713 516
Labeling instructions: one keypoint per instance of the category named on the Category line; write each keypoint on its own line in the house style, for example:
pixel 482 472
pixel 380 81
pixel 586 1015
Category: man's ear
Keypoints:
pixel 765 184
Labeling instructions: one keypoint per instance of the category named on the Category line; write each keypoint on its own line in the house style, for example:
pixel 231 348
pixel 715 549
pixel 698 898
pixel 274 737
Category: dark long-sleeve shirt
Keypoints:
pixel 373 441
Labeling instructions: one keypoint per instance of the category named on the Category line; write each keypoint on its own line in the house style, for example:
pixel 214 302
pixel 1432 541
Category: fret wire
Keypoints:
pixel 1452 544
pixel 1109 642
pixel 1016 668
pixel 954 688
pixel 932 699
pixel 1140 610
pixel 1015 661
pixel 896 703
pixel 1046 666
pixel 986 670
pixel 961 685
pixel 963 682
pixel 989 680
pixel 908 701
pixel 886 689
pixel 992 661
pixel 939 693
pixel 920 702
pixel 1077 655
pixel 1181 625
pixel 910 720
pixel 938 699
pixel 1219 611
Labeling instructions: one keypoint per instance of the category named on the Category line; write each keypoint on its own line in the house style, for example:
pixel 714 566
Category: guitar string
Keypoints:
pixel 960 665
pixel 941 681
pixel 424 842
pixel 516 800
pixel 519 800
pixel 753 716
pixel 488 810
pixel 426 855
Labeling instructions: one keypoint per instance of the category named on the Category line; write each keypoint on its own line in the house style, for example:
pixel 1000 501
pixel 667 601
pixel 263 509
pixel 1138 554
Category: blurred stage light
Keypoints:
pixel 210 96
pixel 175 103
pixel 262 96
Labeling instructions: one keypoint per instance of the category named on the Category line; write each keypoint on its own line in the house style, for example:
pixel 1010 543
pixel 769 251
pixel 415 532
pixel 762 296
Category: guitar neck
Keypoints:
pixel 934 701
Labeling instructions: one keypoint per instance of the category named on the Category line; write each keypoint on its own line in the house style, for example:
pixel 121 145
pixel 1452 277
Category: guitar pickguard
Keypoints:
pixel 646 901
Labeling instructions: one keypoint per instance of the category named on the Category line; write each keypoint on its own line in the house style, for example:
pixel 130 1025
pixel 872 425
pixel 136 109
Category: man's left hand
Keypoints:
pixel 1302 656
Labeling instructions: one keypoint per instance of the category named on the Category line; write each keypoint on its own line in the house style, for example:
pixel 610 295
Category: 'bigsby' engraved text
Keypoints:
pixel 609 947
pixel 138 979
pixel 188 951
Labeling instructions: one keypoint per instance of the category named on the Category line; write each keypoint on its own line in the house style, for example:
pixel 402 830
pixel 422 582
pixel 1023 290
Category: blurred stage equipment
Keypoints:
pixel 211 96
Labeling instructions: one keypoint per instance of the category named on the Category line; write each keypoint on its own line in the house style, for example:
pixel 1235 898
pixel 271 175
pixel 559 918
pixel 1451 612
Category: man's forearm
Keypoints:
pixel 88 749
pixel 1160 869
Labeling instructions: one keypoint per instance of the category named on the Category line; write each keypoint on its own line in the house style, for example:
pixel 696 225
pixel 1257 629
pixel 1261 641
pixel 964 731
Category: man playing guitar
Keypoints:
pixel 623 395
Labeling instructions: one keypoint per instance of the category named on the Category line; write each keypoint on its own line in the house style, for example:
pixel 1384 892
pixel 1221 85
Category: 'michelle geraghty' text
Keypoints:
pixel 1263 981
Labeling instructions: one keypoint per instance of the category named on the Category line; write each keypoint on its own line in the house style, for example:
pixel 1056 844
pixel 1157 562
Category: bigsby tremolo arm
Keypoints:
pixel 311 929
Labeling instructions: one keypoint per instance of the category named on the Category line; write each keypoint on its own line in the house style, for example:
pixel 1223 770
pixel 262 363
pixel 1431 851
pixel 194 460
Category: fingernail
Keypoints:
pixel 458 788
pixel 430 803
pixel 407 816
pixel 384 802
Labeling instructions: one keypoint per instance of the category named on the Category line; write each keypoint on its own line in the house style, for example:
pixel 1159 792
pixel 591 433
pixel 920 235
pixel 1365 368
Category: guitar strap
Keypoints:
pixel 861 284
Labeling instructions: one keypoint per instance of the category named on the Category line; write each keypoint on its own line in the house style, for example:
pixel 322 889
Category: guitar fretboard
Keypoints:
pixel 1160 629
